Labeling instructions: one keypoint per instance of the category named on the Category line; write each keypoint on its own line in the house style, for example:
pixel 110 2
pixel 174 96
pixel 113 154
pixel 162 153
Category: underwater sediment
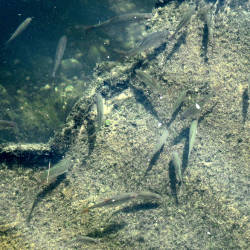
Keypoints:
pixel 208 210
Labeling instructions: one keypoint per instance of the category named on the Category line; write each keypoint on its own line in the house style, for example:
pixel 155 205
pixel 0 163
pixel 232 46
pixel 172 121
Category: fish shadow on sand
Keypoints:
pixel 153 160
pixel 205 39
pixel 175 113
pixel 209 111
pixel 245 104
pixel 91 130
pixel 110 229
pixel 182 135
pixel 157 51
pixel 46 191
pixel 173 181
pixel 139 207
pixel 185 156
pixel 181 40
pixel 141 98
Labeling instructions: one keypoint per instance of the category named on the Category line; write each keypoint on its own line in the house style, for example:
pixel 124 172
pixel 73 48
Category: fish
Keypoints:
pixel 119 19
pixel 184 21
pixel 193 112
pixel 192 135
pixel 59 54
pixel 157 38
pixel 100 109
pixel 161 141
pixel 147 79
pixel 151 41
pixel 177 165
pixel 179 100
pixel 123 198
pixel 195 109
pixel 20 29
pixel 51 174
pixel 7 125
pixel 113 201
pixel 146 195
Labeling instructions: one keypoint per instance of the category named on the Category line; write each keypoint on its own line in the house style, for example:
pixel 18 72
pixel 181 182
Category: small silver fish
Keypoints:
pixel 51 174
pixel 131 17
pixel 113 201
pixel 123 198
pixel 7 125
pixel 192 112
pixel 177 165
pixel 147 79
pixel 151 41
pixel 20 29
pixel 161 141
pixel 146 195
pixel 192 135
pixel 59 53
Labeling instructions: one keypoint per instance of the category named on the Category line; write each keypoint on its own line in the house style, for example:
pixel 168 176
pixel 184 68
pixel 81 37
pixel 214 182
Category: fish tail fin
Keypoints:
pixel 6 44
